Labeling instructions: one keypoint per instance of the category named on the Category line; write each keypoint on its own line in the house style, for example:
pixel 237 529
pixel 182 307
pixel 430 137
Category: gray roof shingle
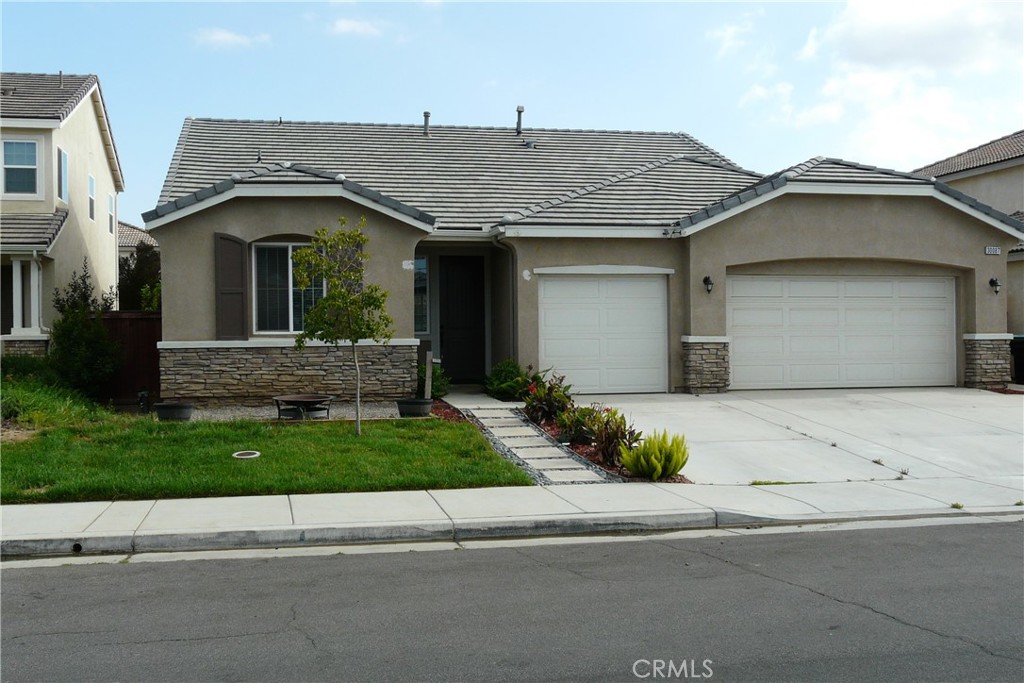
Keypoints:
pixel 31 229
pixel 466 177
pixel 130 236
pixel 42 96
pixel 1001 149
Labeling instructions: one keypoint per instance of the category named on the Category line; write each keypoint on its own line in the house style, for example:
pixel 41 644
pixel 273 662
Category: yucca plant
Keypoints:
pixel 659 456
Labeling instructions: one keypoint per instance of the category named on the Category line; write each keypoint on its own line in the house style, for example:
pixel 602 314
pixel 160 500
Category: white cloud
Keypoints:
pixel 811 46
pixel 220 37
pixel 363 28
pixel 730 37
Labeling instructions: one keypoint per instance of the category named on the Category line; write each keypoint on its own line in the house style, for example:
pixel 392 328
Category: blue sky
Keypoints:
pixel 767 84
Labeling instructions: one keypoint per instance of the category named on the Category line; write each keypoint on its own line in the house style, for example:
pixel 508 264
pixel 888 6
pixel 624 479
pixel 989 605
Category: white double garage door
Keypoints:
pixel 609 333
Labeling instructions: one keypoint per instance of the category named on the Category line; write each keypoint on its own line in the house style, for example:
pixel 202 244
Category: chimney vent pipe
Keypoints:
pixel 519 119
pixel 426 123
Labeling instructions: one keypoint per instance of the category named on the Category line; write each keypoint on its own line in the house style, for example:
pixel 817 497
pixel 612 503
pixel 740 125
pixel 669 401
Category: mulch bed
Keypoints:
pixel 589 452
pixel 446 412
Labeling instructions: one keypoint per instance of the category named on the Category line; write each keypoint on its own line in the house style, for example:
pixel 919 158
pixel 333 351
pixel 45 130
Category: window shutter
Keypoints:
pixel 231 284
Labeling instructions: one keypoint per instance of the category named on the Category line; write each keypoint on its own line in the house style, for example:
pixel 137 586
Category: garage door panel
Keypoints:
pixel 875 332
pixel 814 344
pixel 758 317
pixel 813 317
pixel 868 289
pixel 605 334
pixel 764 288
pixel 799 289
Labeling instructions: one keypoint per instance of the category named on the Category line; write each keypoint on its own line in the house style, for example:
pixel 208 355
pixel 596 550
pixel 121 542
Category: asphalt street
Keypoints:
pixel 926 603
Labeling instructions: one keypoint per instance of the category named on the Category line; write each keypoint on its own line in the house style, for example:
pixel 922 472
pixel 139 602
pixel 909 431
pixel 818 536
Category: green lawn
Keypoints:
pixel 83 452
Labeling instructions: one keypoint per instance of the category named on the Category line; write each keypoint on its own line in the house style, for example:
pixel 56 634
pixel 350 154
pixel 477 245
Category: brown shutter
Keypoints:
pixel 230 258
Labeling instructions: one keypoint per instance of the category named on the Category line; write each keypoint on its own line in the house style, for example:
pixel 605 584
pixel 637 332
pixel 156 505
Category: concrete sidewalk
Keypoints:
pixel 561 505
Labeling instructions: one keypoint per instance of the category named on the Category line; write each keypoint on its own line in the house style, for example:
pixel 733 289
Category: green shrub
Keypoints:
pixel 613 433
pixel 440 382
pixel 657 457
pixel 508 381
pixel 81 352
pixel 17 367
pixel 547 398
pixel 579 424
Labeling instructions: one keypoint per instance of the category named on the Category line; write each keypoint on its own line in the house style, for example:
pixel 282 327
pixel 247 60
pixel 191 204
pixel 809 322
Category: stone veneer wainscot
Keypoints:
pixel 987 361
pixel 37 348
pixel 705 365
pixel 251 372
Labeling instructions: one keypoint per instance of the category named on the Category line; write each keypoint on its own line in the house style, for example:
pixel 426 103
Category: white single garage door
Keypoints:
pixel 607 333
pixel 797 332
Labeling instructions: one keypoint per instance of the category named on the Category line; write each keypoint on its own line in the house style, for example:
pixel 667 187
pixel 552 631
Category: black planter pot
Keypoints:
pixel 414 407
pixel 173 411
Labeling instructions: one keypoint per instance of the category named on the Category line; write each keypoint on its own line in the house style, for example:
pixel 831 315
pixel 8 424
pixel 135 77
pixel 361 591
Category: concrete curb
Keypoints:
pixel 452 531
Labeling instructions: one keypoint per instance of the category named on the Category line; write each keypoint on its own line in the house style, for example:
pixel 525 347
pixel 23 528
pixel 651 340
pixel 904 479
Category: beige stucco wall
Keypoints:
pixel 187 255
pixel 533 253
pixel 80 137
pixel 873 235
pixel 1002 189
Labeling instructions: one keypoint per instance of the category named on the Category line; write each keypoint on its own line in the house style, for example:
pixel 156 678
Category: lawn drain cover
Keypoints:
pixel 246 455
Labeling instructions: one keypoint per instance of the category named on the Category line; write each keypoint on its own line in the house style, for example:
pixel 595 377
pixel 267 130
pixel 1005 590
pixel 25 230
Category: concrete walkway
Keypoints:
pixel 455 515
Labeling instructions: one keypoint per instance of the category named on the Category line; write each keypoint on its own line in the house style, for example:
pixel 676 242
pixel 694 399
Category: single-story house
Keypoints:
pixel 628 261
pixel 129 237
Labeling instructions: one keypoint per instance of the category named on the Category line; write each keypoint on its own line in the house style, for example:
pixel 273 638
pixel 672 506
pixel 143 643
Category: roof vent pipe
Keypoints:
pixel 61 73
pixel 426 123
pixel 519 119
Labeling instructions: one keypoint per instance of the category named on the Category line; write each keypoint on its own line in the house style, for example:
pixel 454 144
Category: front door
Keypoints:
pixel 461 290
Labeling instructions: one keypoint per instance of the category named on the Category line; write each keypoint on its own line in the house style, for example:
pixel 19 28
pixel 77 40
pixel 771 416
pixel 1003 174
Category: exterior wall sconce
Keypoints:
pixel 709 284
pixel 995 284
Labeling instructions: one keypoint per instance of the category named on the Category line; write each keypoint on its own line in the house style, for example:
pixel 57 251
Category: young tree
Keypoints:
pixel 350 310
pixel 138 277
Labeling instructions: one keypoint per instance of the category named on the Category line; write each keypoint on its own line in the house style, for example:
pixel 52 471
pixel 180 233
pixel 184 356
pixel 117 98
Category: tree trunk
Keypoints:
pixel 359 381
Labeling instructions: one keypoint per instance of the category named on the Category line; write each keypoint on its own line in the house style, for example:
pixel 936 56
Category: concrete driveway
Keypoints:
pixel 841 435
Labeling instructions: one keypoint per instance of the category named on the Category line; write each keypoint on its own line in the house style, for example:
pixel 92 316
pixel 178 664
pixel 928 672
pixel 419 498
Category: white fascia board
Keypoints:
pixel 50 124
pixel 735 211
pixel 108 136
pixel 599 231
pixel 23 249
pixel 460 236
pixel 273 342
pixel 286 190
pixel 603 270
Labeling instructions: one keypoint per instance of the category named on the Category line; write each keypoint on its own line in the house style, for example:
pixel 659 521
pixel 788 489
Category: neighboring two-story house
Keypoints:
pixel 994 174
pixel 61 179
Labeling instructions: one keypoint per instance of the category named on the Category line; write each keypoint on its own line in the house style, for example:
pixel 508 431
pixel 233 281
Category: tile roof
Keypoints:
pixel 31 229
pixel 1002 149
pixel 825 170
pixel 41 96
pixel 130 236
pixel 466 177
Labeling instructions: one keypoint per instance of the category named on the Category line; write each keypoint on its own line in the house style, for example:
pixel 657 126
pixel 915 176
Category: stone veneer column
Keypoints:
pixel 250 373
pixel 987 360
pixel 705 365
pixel 36 348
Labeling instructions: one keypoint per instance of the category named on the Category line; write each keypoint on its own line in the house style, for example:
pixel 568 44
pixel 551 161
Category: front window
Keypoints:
pixel 280 305
pixel 92 198
pixel 110 213
pixel 20 167
pixel 421 298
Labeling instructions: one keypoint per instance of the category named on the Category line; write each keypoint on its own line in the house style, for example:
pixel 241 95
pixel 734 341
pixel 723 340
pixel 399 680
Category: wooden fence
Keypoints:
pixel 137 334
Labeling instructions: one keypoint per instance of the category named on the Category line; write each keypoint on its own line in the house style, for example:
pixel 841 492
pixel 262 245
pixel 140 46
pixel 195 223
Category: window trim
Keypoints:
pixel 40 167
pixel 92 197
pixel 292 246
pixel 63 183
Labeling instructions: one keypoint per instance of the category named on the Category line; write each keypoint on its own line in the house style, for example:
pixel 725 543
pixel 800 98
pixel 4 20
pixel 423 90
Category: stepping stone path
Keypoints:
pixel 551 462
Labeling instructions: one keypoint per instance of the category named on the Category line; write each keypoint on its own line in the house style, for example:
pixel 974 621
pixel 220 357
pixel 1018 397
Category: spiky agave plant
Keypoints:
pixel 659 456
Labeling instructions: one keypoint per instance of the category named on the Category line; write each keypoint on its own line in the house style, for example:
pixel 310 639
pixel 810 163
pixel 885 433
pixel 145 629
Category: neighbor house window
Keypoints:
pixel 110 213
pixel 20 167
pixel 421 298
pixel 62 175
pixel 92 198
pixel 280 305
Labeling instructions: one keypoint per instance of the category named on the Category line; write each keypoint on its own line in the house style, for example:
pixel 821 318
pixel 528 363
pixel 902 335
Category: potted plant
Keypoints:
pixel 429 385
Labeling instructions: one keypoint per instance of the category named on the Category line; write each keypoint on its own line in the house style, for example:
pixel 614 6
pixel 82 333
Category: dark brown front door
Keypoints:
pixel 461 285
